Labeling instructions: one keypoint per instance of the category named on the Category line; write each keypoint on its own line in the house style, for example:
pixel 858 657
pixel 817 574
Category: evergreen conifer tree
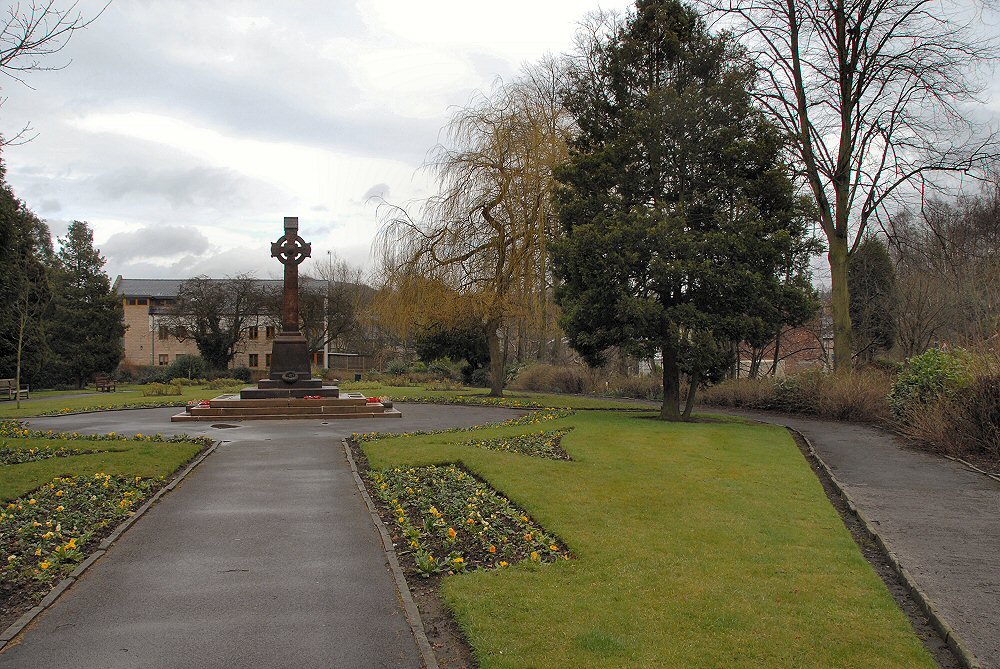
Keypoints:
pixel 679 216
pixel 86 324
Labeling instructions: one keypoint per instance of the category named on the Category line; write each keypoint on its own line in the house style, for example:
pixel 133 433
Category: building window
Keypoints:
pixel 163 332
pixel 318 358
pixel 267 360
pixel 253 359
pixel 269 331
pixel 136 300
pixel 164 360
pixel 254 332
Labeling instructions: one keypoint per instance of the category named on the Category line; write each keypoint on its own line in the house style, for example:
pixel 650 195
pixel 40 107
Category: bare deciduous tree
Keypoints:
pixel 31 32
pixel 873 94
pixel 216 314
pixel 480 244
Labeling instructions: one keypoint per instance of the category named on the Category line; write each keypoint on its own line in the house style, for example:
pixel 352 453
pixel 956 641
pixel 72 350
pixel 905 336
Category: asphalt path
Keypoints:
pixel 941 519
pixel 264 556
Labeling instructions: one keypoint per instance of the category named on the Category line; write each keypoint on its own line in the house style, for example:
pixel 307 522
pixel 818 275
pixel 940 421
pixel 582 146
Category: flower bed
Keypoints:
pixel 45 533
pixel 533 418
pixel 10 455
pixel 449 521
pixel 543 444
pixel 16 428
pixel 93 408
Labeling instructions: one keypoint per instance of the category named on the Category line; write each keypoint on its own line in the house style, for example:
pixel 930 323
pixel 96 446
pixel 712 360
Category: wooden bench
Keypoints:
pixel 104 383
pixel 8 388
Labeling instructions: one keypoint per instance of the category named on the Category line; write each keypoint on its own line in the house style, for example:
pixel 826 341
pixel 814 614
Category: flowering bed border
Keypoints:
pixel 13 630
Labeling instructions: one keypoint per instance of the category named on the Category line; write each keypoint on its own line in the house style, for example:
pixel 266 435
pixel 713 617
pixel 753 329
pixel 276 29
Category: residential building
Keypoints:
pixel 148 340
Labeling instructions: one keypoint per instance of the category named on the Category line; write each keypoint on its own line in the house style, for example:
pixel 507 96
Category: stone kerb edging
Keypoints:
pixel 18 626
pixel 951 638
pixel 409 606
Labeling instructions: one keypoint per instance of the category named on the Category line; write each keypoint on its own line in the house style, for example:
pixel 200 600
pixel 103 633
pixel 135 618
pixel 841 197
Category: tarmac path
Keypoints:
pixel 941 520
pixel 265 555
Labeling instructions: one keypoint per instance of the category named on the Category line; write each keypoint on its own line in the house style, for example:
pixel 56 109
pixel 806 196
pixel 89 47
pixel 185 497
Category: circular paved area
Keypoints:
pixel 265 555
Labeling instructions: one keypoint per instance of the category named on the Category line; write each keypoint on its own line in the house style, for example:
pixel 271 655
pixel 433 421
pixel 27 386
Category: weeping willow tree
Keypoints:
pixel 478 249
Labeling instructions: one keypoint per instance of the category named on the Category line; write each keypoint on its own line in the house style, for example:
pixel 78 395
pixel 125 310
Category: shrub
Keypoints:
pixel 648 387
pixel 145 375
pixel 853 395
pixel 928 377
pixel 444 384
pixel 224 382
pixel 446 368
pixel 551 379
pixel 397 367
pixel 161 389
pixel 244 374
pixel 480 378
pixel 187 366
pixel 966 424
pixel 126 372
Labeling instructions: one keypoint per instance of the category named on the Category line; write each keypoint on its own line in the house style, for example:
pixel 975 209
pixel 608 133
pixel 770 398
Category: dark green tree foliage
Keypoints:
pixel 871 280
pixel 679 215
pixel 467 343
pixel 26 248
pixel 85 326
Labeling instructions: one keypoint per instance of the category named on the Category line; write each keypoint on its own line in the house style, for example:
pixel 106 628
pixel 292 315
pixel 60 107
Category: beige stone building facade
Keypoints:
pixel 148 340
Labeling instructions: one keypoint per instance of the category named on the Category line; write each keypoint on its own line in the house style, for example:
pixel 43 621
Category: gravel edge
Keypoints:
pixel 11 633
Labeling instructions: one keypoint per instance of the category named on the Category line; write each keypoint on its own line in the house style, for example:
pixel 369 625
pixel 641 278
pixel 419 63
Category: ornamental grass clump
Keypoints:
pixel 44 534
pixel 449 521
pixel 542 444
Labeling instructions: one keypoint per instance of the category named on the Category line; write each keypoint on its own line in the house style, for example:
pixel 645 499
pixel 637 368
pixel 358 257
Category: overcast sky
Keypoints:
pixel 184 131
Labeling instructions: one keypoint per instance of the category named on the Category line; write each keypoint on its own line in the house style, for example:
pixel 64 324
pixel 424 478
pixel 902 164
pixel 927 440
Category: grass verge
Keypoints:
pixel 694 545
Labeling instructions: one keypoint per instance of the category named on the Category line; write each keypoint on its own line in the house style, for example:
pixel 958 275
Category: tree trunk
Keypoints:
pixel 693 382
pixel 671 382
pixel 841 307
pixel 20 350
pixel 496 358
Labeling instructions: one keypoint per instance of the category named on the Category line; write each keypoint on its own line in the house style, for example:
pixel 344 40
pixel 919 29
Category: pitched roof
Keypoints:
pixel 170 287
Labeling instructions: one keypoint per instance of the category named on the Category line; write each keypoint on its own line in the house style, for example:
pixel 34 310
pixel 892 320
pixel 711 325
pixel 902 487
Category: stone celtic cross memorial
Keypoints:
pixel 290 390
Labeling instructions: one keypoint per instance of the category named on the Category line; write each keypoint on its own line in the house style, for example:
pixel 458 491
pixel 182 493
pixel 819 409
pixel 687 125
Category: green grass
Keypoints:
pixel 61 401
pixel 513 397
pixel 49 402
pixel 132 458
pixel 696 545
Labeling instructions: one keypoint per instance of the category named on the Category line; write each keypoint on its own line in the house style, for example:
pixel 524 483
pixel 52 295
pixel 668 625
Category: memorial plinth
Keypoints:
pixel 290 391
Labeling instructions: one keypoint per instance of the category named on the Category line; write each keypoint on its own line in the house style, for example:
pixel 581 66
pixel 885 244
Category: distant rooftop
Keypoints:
pixel 164 288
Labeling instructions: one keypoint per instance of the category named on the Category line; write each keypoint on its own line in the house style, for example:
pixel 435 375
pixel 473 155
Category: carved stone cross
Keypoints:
pixel 290 250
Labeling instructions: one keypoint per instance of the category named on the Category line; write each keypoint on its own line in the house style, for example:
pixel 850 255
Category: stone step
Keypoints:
pixel 316 409
pixel 186 417
pixel 286 402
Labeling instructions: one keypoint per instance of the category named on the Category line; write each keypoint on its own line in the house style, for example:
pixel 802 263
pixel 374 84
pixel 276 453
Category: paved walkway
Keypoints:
pixel 265 556
pixel 941 519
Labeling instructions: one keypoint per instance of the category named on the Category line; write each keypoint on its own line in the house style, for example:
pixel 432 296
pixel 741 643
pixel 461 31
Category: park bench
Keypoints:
pixel 104 383
pixel 8 388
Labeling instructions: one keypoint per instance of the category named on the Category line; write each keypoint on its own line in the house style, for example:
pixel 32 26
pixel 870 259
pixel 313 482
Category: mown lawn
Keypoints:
pixel 50 402
pixel 513 398
pixel 131 458
pixel 695 545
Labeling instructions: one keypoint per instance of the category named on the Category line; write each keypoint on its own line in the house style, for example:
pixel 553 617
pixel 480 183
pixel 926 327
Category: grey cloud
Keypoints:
pixel 155 242
pixel 53 206
pixel 192 187
pixel 275 93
